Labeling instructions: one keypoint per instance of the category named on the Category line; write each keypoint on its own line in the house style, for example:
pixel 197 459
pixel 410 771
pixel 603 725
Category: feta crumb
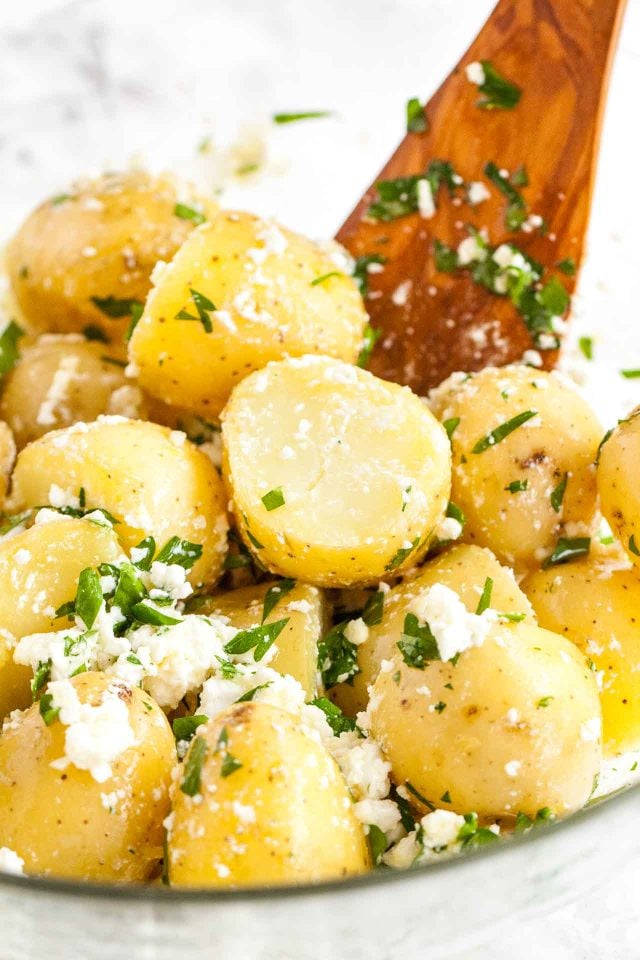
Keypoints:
pixel 477 192
pixel 426 202
pixel 356 631
pixel 10 862
pixel 454 628
pixel 591 729
pixel 475 73
pixel 469 250
pixel 512 768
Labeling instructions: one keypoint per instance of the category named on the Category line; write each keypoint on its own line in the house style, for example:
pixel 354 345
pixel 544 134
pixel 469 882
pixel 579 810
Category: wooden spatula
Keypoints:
pixel 535 158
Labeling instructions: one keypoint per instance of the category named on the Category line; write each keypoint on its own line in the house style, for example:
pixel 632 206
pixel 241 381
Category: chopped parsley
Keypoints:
pixel 568 549
pixel 180 552
pixel 446 797
pixel 400 197
pixel 373 609
pixel 48 712
pixel 326 276
pixel 377 842
pixel 401 555
pixel 274 594
pixel 439 706
pixel 114 307
pixel 630 374
pixel 9 353
pixel 416 793
pixel 633 546
pixel 258 639
pixel 301 115
pixel 416 117
pixel 417 643
pixel 273 499
pixel 193 764
pixel 544 702
pixel 60 198
pixel 500 433
pixel 517 486
pixel 455 513
pixel 485 600
pixel 204 308
pixel 516 212
pixel 451 425
pixel 41 676
pixel 95 334
pixel 568 266
pixel 136 313
pixel 334 716
pixel 229 763
pixel 525 822
pixel 472 835
pixel 446 258
pixel 184 728
pixel 370 337
pixel 337 657
pixel 250 694
pixel 557 494
pixel 499 93
pixel 189 213
pixel 361 270
pixel 145 612
pixel 586 347
pixel 88 597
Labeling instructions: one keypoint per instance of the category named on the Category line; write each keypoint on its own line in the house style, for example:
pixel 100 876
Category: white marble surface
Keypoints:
pixel 92 83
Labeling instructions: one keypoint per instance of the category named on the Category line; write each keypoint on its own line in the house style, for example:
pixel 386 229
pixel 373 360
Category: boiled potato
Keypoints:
pixel 337 478
pixel 523 486
pixel 39 570
pixel 596 604
pixel 617 483
pixel 512 726
pixel 266 804
pixel 7 458
pixel 297 645
pixel 464 569
pixel 241 292
pixel 60 380
pixel 82 258
pixel 67 811
pixel 153 480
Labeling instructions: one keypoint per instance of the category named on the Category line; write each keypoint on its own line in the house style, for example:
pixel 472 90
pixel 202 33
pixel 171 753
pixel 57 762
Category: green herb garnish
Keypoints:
pixel 373 609
pixel 204 308
pixel 361 270
pixel 334 716
pixel 41 676
pixel 370 337
pixel 88 597
pixel 471 835
pixel 189 213
pixel 499 93
pixel 193 764
pixel 586 346
pixel 337 657
pixel 258 639
pixel 485 600
pixel 516 212
pixel 446 258
pixel 633 546
pixel 630 374
pixel 184 728
pixel 326 276
pixel 416 117
pixel 48 712
pixel 451 425
pixel 503 431
pixel 9 353
pixel 417 643
pixel 517 486
pixel 302 115
pixel 401 555
pixel 273 499
pixel 182 553
pixel 377 842
pixel 274 594
pixel 557 494
pixel 567 266
pixel 568 549
pixel 114 307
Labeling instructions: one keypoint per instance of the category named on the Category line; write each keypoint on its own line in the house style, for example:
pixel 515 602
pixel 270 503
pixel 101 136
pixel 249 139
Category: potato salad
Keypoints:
pixel 266 618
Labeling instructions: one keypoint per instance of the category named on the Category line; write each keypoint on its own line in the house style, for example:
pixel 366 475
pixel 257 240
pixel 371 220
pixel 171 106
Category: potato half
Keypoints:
pixel 618 466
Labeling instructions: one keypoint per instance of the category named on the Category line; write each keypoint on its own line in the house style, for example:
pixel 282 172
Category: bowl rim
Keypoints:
pixel 157 893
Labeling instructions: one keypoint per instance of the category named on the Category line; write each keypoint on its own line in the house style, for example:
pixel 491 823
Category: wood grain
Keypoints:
pixel 559 53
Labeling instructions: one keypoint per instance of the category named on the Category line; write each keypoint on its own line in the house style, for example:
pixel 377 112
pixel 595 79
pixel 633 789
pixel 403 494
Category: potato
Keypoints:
pixel 7 458
pixel 596 604
pixel 337 478
pixel 617 483
pixel 81 259
pixel 60 380
pixel 91 819
pixel 153 480
pixel 464 568
pixel 297 646
pixel 520 490
pixel 249 286
pixel 269 806
pixel 511 727
pixel 39 570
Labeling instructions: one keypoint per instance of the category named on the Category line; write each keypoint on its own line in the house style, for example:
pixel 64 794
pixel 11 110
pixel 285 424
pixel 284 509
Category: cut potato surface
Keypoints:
pixel 512 726
pixel 241 291
pixel 619 462
pixel 151 479
pixel 337 478
pixel 262 803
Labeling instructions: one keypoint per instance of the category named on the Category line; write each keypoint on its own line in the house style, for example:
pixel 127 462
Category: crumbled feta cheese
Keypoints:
pixel 470 250
pixel 448 529
pixel 426 201
pixel 440 828
pixel 356 631
pixel 477 192
pixel 454 628
pixel 10 862
pixel 512 768
pixel 475 73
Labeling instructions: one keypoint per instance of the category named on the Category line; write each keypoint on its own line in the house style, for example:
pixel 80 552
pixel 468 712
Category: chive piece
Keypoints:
pixel 446 258
pixel 182 553
pixel 204 308
pixel 88 597
pixel 557 494
pixel 370 337
pixel 361 270
pixel 114 307
pixel 503 431
pixel 417 643
pixel 586 346
pixel 517 486
pixel 377 842
pixel 373 609
pixel 568 549
pixel 273 499
pixel 193 764
pixel 184 728
pixel 274 594
pixel 144 613
pixel 499 93
pixel 633 546
pixel 451 425
pixel 48 712
pixel 326 276
pixel 189 213
pixel 416 117
pixel 485 600
pixel 258 639
pixel 302 115
pixel 337 657
pixel 567 266
pixel 9 353
pixel 516 212
pixel 334 716
pixel 630 374
pixel 544 702
pixel 416 793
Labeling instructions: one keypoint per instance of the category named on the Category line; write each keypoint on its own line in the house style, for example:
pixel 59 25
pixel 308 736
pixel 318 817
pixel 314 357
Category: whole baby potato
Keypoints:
pixel 101 820
pixel 337 478
pixel 524 444
pixel 240 292
pixel 260 802
pixel 618 465
pixel 84 258
pixel 512 726
pixel 594 602
pixel 305 608
pixel 60 380
pixel 463 568
pixel 39 570
pixel 151 479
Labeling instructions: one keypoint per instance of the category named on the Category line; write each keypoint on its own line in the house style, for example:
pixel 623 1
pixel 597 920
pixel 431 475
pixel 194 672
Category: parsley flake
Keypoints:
pixel 417 643
pixel 189 213
pixel 273 499
pixel 568 549
pixel 416 117
pixel 9 353
pixel 193 764
pixel 258 639
pixel 485 600
pixel 204 308
pixel 114 307
pixel 274 594
pixel 499 93
pixel 500 433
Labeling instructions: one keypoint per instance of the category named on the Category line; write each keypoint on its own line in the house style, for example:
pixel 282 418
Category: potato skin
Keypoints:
pixel 31 591
pixel 60 380
pixel 260 277
pixel 102 241
pixel 297 645
pixel 59 821
pixel 7 459
pixel 463 568
pixel 285 816
pixel 521 527
pixel 150 478
pixel 594 603
pixel 363 467
pixel 618 465
pixel 466 748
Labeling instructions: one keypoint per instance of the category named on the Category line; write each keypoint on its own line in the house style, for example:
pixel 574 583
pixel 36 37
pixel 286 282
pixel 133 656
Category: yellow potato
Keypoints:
pixel 512 726
pixel 39 570
pixel 297 645
pixel 522 491
pixel 270 806
pixel 595 603
pixel 80 259
pixel 153 480
pixel 464 569
pixel 7 459
pixel 260 303
pixel 60 380
pixel 63 821
pixel 337 478
pixel 618 465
